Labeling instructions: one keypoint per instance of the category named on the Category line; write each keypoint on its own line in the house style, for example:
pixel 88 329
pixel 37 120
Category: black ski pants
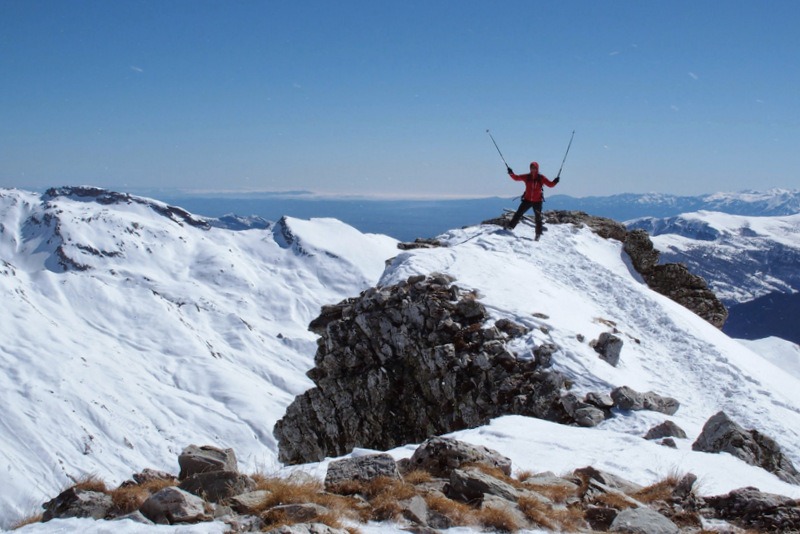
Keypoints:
pixel 524 206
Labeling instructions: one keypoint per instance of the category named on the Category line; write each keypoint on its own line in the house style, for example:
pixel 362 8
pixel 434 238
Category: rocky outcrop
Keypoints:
pixel 752 509
pixel 674 280
pixel 403 363
pixel 722 434
pixel 445 484
pixel 602 226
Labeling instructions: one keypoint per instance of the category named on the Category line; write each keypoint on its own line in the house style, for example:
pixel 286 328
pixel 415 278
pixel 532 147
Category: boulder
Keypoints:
pixel 609 347
pixel 722 434
pixel 216 486
pixel 78 503
pixel 173 505
pixel 667 429
pixel 249 503
pixel 471 485
pixel 753 509
pixel 361 469
pixel 642 521
pixel 206 458
pixel 440 456
pixel 626 398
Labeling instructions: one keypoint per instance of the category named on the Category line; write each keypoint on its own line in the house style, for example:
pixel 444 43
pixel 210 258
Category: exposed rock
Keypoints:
pixel 667 429
pixel 472 484
pixel 308 528
pixel 588 474
pixel 77 503
pixel 420 243
pixel 609 347
pixel 203 459
pixel 626 398
pixel 149 475
pixel 403 363
pixel 415 510
pixel 752 509
pixel 600 517
pixel 722 434
pixel 250 502
pixel 674 280
pixel 172 505
pixel 361 469
pixel 439 456
pixel 602 226
pixel 642 521
pixel 216 486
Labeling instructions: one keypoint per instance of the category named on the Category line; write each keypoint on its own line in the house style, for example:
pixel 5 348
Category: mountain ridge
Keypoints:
pixel 179 333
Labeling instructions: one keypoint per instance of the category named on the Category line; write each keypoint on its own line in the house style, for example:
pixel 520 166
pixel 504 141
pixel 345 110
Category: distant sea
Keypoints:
pixel 404 220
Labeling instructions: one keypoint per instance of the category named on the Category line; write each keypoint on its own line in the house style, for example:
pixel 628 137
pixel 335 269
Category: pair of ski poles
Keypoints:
pixel 509 168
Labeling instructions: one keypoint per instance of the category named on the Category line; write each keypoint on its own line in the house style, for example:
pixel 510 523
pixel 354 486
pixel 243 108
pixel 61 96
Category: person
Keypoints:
pixel 533 196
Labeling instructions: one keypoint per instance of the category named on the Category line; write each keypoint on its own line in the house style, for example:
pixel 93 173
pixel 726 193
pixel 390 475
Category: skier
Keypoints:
pixel 533 197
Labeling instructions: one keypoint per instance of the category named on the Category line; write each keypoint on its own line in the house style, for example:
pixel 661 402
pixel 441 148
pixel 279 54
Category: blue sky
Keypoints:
pixel 394 98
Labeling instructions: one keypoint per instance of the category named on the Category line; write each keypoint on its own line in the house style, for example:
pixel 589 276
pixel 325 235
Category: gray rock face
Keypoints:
pixel 722 434
pixel 674 280
pixel 403 363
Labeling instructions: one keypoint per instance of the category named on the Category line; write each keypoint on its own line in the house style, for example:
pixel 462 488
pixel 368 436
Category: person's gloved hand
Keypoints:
pixel 558 179
pixel 509 170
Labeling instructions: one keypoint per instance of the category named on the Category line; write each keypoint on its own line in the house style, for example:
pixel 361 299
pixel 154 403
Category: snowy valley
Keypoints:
pixel 133 329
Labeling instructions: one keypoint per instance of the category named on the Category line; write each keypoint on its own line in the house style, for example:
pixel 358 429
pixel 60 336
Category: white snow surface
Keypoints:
pixel 175 334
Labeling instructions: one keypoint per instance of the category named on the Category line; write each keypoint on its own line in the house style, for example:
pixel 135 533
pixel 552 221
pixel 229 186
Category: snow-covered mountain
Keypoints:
pixel 132 329
pixel 750 262
pixel 772 202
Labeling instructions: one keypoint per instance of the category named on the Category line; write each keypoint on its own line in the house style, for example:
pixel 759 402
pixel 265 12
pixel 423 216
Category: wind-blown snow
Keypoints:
pixel 178 334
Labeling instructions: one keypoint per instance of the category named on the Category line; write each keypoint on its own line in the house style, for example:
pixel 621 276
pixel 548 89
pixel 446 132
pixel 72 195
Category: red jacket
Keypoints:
pixel 533 183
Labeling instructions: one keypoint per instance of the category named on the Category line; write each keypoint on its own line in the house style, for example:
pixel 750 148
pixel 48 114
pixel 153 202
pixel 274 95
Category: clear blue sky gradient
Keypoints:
pixel 395 97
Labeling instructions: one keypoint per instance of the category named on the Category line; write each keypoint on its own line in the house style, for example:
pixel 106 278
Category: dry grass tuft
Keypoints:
pixel 301 490
pixel 555 493
pixel 289 491
pixel 418 476
pixel 130 498
pixel 457 512
pixel 537 512
pixel 619 501
pixel 498 519
pixel 90 482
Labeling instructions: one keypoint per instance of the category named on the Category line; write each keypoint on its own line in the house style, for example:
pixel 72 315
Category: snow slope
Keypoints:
pixel 173 334
pixel 179 333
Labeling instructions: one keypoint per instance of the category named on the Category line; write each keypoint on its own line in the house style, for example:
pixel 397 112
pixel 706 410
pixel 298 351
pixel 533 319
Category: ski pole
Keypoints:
pixel 498 149
pixel 565 155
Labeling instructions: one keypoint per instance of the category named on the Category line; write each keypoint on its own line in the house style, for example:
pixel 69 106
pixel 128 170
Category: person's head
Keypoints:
pixel 534 167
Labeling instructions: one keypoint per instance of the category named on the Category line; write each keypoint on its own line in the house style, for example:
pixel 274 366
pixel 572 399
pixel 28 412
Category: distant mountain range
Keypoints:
pixel 750 262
